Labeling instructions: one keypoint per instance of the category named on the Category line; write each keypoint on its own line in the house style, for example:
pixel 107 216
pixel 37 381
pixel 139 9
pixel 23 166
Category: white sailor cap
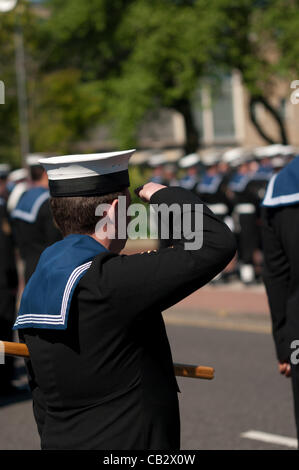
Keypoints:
pixel 234 154
pixel 87 175
pixel 189 160
pixel 157 160
pixel 269 151
pixel 278 162
pixel 288 150
pixel 33 159
pixel 4 170
pixel 210 159
pixel 18 175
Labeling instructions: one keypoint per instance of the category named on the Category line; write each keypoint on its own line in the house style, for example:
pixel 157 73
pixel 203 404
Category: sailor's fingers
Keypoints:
pixel 146 191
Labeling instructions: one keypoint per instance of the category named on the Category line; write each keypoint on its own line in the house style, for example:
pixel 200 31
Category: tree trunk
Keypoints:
pixel 192 135
pixel 254 100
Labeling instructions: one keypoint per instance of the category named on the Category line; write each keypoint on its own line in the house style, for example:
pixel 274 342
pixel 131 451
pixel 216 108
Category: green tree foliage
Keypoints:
pixel 151 54
pixel 62 107
pixel 8 112
pixel 145 54
pixel 112 61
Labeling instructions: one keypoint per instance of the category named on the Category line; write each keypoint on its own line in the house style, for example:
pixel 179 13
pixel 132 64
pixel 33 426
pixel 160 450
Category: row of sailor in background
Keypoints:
pixel 26 229
pixel 233 184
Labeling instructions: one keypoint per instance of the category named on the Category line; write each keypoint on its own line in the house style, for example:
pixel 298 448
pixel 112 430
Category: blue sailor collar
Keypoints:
pixel 283 188
pixel 29 204
pixel 47 297
pixel 263 173
pixel 188 182
pixel 209 184
pixel 239 182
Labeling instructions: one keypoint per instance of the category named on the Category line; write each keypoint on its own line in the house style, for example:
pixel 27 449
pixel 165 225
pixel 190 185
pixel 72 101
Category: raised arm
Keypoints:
pixel 160 279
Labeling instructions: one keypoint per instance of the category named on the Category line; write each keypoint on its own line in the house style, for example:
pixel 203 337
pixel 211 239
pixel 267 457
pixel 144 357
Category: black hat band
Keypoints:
pixel 98 185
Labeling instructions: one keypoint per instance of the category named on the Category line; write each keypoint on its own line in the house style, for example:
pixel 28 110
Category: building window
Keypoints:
pixel 222 109
pixel 214 114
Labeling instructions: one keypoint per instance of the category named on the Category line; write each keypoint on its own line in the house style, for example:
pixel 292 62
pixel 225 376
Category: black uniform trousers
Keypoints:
pixel 248 237
pixel 280 235
pixel 107 381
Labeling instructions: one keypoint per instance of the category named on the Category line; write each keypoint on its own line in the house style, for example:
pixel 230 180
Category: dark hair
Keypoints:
pixel 36 172
pixel 77 214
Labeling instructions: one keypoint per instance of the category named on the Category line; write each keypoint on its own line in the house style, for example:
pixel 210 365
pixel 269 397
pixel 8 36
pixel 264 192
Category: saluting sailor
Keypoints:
pixel 4 172
pixel 190 163
pixel 280 230
pixel 33 225
pixel 101 369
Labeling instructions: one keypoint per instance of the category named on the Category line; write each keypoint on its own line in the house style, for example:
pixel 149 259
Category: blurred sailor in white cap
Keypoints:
pixel 270 159
pixel 33 225
pixel 245 213
pixel 264 156
pixel 189 163
pixel 278 163
pixel 101 369
pixel 4 172
pixel 17 184
pixel 157 162
pixel 170 174
pixel 211 189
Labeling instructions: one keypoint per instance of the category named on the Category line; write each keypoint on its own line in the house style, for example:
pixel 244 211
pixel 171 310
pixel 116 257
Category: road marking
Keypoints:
pixel 217 324
pixel 271 438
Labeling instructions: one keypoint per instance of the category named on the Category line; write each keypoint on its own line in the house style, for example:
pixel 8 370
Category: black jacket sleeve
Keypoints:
pixel 160 279
pixel 276 278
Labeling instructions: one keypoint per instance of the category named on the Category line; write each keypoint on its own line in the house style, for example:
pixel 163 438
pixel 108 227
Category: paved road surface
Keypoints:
pixel 247 393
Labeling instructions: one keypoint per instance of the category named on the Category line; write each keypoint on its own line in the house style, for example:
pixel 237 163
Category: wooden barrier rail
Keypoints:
pixel 181 370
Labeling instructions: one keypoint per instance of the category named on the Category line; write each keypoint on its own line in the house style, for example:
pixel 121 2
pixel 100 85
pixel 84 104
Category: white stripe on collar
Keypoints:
pixel 56 319
pixel 31 216
pixel 276 201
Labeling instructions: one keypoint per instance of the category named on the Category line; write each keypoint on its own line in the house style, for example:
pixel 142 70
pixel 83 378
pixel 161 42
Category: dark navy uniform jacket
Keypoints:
pixel 107 380
pixel 280 230
pixel 33 227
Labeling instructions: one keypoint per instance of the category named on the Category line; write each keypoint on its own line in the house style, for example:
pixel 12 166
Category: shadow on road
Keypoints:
pixel 20 391
pixel 19 395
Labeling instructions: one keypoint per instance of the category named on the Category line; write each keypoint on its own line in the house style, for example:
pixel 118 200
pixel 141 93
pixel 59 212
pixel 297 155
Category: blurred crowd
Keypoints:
pixel 233 184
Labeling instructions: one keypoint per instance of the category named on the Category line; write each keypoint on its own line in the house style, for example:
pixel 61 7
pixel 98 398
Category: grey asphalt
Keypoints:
pixel 246 394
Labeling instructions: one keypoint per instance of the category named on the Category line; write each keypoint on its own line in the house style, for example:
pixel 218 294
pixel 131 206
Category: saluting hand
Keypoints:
pixel 146 191
pixel 284 368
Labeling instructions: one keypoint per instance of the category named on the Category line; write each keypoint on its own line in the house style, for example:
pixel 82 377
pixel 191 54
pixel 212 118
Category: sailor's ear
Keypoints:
pixel 113 209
